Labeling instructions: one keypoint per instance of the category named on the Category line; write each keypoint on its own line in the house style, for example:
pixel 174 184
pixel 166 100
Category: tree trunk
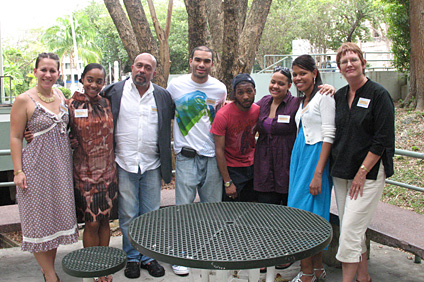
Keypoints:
pixel 124 28
pixel 137 36
pixel 230 46
pixel 215 16
pixel 141 27
pixel 163 36
pixel 416 15
pixel 236 41
pixel 197 26
pixel 242 6
pixel 251 35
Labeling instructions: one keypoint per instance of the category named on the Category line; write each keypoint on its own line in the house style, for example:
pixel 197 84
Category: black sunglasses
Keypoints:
pixel 284 70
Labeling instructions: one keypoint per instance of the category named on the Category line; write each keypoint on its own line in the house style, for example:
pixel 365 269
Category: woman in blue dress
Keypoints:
pixel 310 182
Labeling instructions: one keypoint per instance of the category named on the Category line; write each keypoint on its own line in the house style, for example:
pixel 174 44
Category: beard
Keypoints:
pixel 245 104
pixel 139 80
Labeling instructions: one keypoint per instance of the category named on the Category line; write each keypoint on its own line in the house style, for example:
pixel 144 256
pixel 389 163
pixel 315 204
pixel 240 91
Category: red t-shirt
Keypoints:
pixel 238 127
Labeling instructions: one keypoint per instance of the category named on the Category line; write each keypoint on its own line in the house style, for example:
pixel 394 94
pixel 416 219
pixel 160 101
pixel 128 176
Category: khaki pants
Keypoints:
pixel 356 215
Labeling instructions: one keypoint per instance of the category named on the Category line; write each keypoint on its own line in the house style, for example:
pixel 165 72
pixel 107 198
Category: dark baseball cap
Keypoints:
pixel 242 77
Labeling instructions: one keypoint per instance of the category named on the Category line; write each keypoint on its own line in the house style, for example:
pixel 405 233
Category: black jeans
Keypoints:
pixel 242 178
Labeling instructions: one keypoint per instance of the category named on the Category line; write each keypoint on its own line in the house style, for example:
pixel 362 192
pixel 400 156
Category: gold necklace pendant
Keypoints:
pixel 46 99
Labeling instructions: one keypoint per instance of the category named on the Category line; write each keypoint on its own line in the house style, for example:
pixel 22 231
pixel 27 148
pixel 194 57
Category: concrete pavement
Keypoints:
pixel 386 265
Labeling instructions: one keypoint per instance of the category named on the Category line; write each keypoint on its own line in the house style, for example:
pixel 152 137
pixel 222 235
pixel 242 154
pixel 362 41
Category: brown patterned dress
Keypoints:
pixel 95 174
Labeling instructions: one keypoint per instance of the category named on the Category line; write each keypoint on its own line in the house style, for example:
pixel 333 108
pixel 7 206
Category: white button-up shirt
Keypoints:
pixel 136 134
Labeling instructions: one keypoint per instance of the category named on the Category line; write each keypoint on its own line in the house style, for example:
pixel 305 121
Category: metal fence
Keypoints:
pixel 326 62
pixel 388 181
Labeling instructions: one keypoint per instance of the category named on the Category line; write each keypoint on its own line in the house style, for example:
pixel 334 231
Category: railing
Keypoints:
pixel 4 98
pixel 388 181
pixel 326 62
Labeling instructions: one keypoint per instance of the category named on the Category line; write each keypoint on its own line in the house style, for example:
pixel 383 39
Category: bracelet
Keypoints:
pixel 17 172
pixel 365 168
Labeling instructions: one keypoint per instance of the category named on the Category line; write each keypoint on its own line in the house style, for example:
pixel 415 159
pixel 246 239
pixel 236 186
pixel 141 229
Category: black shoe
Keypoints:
pixel 154 268
pixel 283 266
pixel 132 270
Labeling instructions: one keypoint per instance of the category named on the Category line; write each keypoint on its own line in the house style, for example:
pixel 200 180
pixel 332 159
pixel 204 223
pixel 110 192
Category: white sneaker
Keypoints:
pixel 180 270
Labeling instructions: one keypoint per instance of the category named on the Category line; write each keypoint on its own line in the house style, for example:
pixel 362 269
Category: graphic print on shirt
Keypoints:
pixel 191 108
pixel 242 133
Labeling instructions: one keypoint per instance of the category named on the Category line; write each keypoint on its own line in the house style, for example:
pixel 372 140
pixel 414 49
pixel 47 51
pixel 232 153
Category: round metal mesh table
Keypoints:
pixel 94 262
pixel 229 235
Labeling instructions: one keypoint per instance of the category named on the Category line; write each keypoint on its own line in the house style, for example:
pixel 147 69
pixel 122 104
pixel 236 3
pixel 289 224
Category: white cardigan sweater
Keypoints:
pixel 318 119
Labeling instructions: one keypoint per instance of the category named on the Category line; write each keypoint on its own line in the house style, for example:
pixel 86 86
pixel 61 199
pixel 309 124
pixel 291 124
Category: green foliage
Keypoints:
pixel 415 148
pixel 107 37
pixel 17 65
pixel 58 38
pixel 349 19
pixel 397 16
pixel 66 92
pixel 325 23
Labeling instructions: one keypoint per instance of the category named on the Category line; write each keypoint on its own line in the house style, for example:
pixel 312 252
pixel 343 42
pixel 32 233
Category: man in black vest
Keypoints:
pixel 142 113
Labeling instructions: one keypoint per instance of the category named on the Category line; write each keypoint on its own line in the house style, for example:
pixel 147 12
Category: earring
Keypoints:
pixel 314 80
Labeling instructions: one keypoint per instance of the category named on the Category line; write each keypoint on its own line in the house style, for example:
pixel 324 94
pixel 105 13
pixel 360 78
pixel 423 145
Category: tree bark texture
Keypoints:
pixel 125 31
pixel 230 47
pixel 136 35
pixel 215 16
pixel 197 25
pixel 141 27
pixel 162 35
pixel 416 15
pixel 251 35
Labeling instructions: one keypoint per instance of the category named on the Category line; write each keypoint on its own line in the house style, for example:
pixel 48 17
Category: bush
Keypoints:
pixel 66 92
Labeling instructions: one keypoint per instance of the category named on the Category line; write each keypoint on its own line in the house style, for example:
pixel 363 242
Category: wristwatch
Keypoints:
pixel 228 184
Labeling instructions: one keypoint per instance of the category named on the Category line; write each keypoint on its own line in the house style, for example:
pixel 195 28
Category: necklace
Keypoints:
pixel 46 99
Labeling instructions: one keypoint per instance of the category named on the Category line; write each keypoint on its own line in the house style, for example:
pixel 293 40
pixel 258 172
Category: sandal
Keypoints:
pixel 323 275
pixel 360 281
pixel 300 274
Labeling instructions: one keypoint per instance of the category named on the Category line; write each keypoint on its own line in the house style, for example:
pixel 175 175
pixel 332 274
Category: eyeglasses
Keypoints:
pixel 282 69
pixel 352 61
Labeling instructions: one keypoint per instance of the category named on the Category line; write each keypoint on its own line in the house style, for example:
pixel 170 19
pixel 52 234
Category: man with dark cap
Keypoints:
pixel 234 134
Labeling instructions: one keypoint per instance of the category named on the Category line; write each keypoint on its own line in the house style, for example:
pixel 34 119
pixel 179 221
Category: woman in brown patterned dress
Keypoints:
pixel 43 170
pixel 95 177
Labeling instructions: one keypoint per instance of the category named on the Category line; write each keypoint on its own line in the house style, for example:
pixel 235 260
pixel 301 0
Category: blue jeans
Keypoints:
pixel 199 174
pixel 138 194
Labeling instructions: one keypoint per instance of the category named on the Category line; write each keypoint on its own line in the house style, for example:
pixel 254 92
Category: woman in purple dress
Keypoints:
pixel 43 170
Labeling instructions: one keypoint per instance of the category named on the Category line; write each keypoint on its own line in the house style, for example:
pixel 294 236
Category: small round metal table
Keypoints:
pixel 229 235
pixel 94 262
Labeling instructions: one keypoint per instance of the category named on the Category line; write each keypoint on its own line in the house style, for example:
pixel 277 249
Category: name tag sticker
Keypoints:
pixel 364 103
pixel 81 113
pixel 210 101
pixel 63 108
pixel 283 119
pixel 154 109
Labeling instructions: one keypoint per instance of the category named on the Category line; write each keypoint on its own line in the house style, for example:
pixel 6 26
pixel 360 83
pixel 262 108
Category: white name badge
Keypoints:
pixel 81 113
pixel 364 103
pixel 283 119
pixel 154 109
pixel 63 108
pixel 210 101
